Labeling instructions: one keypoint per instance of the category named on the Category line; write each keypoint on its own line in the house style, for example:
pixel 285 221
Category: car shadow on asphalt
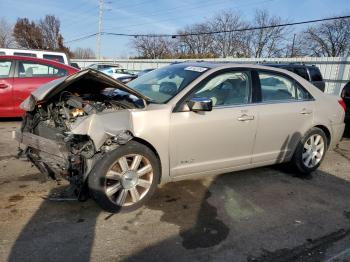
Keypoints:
pixel 258 215
pixel 58 231
pixel 264 214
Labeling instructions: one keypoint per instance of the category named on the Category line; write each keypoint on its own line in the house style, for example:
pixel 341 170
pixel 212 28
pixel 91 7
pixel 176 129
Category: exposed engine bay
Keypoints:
pixel 48 131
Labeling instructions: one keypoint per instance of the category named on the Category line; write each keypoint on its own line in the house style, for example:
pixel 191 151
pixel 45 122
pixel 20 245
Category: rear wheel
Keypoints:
pixel 125 178
pixel 310 151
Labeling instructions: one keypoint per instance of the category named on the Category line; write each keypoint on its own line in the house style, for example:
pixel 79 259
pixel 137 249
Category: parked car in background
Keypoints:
pixel 44 54
pixel 309 72
pixel 145 71
pixel 73 64
pixel 21 75
pixel 178 122
pixel 120 73
pixel 345 95
pixel 101 66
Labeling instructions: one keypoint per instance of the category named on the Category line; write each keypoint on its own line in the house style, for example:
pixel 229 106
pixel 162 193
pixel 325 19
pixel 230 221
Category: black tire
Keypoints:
pixel 97 178
pixel 297 160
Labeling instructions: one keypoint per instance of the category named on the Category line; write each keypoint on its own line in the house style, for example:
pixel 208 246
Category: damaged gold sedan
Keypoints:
pixel 116 142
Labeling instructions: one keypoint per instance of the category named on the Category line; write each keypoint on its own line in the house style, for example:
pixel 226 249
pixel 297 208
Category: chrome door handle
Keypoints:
pixel 245 117
pixel 306 112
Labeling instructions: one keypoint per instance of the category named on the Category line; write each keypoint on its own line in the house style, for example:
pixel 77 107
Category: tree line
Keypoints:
pixel 326 39
pixel 44 34
pixel 329 38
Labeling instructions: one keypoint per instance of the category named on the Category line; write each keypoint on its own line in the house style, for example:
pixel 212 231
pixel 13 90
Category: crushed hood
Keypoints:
pixel 50 89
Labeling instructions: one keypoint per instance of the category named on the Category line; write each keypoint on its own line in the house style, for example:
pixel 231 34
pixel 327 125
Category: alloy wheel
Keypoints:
pixel 129 179
pixel 313 150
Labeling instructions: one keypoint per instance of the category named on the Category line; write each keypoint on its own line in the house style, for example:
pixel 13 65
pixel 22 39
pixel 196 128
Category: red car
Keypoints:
pixel 20 75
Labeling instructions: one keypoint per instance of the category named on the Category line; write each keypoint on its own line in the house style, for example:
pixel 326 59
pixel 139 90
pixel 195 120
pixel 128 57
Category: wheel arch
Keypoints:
pixel 327 133
pixel 150 146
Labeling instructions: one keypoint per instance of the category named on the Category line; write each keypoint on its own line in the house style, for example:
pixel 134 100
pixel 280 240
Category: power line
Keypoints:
pixel 213 32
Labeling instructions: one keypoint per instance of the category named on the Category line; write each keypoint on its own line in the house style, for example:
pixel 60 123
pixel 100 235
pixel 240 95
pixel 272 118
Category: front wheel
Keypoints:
pixel 125 178
pixel 310 151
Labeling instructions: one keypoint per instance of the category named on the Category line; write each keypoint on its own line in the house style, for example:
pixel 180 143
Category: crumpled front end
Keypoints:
pixel 68 133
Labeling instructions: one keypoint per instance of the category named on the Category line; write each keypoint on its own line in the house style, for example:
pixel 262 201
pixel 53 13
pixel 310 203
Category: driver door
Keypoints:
pixel 219 140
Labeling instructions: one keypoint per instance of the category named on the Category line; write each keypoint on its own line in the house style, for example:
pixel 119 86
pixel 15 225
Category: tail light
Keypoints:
pixel 342 103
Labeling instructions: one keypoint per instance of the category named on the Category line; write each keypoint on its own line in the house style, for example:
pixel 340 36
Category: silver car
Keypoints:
pixel 117 142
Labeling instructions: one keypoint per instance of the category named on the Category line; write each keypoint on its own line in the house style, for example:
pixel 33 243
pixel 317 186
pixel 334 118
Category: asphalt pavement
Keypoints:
pixel 264 214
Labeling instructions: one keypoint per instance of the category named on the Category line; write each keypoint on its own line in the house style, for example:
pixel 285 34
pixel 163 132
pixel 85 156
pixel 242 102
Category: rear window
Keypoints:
pixel 57 58
pixel 32 69
pixel 315 74
pixel 24 54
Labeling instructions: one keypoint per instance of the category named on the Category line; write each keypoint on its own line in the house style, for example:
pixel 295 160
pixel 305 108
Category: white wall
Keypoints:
pixel 335 70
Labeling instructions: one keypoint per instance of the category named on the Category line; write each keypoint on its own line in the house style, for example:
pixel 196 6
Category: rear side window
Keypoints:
pixel 315 74
pixel 5 67
pixel 57 58
pixel 24 54
pixel 279 88
pixel 302 93
pixel 2 53
pixel 300 71
pixel 31 69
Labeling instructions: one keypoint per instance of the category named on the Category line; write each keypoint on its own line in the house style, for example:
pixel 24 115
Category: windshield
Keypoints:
pixel 163 84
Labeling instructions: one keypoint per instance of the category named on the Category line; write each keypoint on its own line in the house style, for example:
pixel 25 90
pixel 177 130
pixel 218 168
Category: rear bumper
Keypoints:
pixel 337 134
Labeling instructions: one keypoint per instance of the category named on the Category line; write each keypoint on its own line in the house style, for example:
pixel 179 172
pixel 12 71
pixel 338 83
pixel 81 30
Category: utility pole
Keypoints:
pixel 292 53
pixel 100 17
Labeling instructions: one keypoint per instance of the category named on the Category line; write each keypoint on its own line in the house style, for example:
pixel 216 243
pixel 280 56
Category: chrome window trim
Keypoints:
pixel 266 103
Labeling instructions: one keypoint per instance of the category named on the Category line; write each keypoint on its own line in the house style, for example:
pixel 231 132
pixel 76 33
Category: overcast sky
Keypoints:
pixel 80 17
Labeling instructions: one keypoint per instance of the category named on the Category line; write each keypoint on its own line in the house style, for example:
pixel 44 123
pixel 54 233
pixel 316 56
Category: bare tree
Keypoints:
pixel 50 30
pixel 42 35
pixel 192 43
pixel 296 46
pixel 27 34
pixel 83 53
pixel 228 43
pixel 152 46
pixel 267 42
pixel 331 38
pixel 6 39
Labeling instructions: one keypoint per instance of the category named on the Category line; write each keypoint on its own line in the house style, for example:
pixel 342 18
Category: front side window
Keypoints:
pixel 279 88
pixel 5 67
pixel 163 84
pixel 226 89
pixel 32 69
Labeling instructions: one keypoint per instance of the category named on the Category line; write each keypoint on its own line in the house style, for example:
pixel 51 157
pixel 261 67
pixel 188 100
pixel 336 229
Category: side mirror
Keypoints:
pixel 198 104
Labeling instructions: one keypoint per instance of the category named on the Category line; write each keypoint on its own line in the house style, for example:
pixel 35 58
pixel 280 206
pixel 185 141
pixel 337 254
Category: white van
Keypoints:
pixel 56 56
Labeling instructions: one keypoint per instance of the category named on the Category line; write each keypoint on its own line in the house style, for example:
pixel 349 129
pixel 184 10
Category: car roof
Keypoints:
pixel 291 65
pixel 224 65
pixel 35 59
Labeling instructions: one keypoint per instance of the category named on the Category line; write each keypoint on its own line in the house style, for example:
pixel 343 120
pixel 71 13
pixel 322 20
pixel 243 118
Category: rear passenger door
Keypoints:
pixel 285 114
pixel 6 85
pixel 29 76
